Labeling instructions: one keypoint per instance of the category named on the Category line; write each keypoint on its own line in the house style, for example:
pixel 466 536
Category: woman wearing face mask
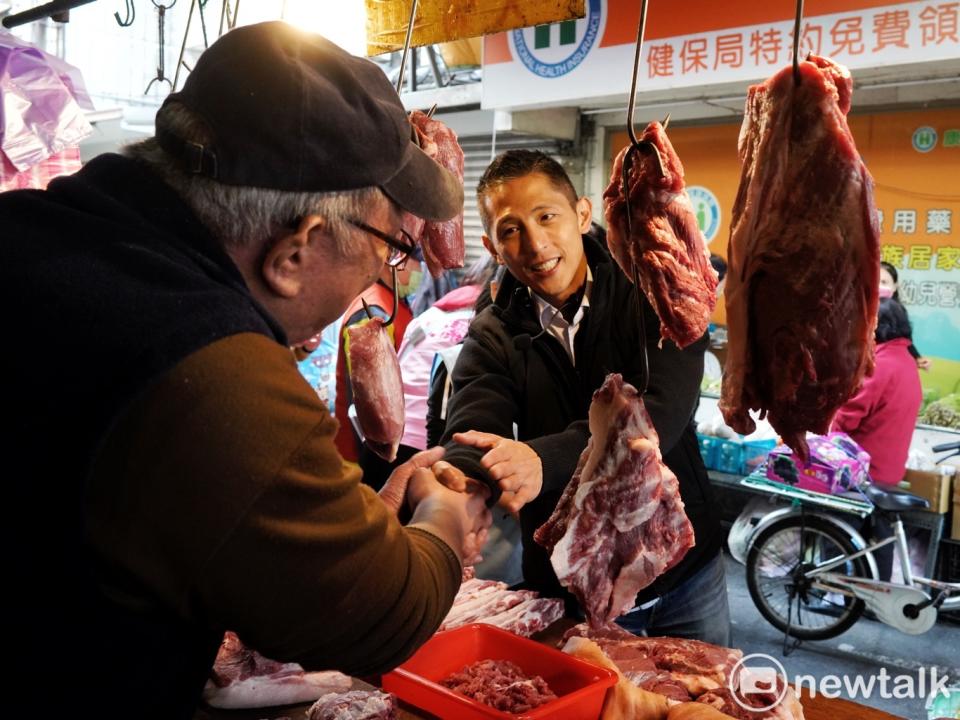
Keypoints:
pixel 379 299
pixel 889 288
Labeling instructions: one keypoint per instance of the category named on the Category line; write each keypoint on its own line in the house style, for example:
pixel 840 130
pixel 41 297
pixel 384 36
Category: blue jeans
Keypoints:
pixel 696 609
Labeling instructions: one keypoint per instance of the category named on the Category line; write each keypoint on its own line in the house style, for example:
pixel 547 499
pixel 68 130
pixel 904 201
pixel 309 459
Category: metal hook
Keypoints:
pixel 796 43
pixel 131 15
pixel 406 45
pixel 647 147
pixel 161 41
pixel 396 300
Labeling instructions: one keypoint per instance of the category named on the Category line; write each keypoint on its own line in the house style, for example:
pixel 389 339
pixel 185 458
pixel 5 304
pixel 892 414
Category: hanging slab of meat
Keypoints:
pixel 441 242
pixel 243 678
pixel 377 386
pixel 620 521
pixel 804 258
pixel 665 244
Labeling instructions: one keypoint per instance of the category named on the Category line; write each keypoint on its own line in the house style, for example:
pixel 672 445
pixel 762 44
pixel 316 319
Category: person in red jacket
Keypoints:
pixel 882 415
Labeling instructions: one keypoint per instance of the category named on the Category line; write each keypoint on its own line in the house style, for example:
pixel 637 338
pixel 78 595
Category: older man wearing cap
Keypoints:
pixel 180 477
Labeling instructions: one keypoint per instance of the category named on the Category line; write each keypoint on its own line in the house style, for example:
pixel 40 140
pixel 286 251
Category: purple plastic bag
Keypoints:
pixel 42 99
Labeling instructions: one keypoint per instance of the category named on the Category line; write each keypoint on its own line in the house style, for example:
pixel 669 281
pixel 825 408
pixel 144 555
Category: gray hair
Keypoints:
pixel 238 215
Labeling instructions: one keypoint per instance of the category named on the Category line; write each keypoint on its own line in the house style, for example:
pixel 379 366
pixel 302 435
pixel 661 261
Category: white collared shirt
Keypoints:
pixel 553 322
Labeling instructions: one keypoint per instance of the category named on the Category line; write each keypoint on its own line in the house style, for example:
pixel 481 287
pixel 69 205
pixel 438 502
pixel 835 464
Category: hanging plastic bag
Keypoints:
pixel 42 103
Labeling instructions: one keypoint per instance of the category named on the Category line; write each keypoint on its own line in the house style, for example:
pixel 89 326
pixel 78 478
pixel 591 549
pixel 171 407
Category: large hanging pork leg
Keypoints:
pixel 620 522
pixel 804 257
pixel 441 242
pixel 664 241
pixel 377 386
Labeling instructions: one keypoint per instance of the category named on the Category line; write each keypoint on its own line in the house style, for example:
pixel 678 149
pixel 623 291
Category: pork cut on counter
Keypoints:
pixel 243 678
pixel 441 242
pixel 354 705
pixel 377 386
pixel 664 241
pixel 521 612
pixel 804 258
pixel 620 522
pixel 677 670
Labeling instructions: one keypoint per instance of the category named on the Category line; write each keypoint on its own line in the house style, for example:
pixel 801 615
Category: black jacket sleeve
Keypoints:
pixel 675 375
pixel 484 398
pixel 559 453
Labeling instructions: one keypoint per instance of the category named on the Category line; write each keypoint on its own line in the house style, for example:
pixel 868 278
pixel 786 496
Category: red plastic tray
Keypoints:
pixel 579 685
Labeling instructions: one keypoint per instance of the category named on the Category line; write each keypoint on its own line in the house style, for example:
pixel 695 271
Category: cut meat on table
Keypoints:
pixel 684 668
pixel 243 678
pixel 354 705
pixel 660 665
pixel 664 241
pixel 377 386
pixel 804 258
pixel 441 242
pixel 620 522
pixel 500 684
pixel 625 701
pixel 521 612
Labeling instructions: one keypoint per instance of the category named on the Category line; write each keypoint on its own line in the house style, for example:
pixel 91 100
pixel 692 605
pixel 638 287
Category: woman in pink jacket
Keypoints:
pixel 882 415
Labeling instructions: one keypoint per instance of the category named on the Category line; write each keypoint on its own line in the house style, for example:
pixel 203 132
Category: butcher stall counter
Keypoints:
pixel 814 708
pixel 818 708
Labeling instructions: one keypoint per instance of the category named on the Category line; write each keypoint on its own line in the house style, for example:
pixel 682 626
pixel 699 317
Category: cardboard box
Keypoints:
pixel 936 488
pixel 955 532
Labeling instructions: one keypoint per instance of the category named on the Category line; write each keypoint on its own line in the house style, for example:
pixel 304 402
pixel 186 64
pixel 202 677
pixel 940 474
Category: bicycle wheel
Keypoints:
pixel 776 561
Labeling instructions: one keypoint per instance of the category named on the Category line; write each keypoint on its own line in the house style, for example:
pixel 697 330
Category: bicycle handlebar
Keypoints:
pixel 946 446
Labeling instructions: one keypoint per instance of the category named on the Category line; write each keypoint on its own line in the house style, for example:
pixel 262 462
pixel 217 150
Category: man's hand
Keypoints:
pixel 514 465
pixel 460 519
pixel 395 489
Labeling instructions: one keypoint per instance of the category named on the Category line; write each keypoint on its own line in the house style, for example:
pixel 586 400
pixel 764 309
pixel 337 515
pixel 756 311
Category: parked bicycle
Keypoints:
pixel 812 575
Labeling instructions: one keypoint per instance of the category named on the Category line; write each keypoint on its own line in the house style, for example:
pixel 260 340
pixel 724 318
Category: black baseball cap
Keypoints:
pixel 290 110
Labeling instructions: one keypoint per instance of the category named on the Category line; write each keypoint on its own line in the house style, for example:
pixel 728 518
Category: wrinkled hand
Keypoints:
pixel 395 489
pixel 515 466
pixel 450 476
pixel 461 519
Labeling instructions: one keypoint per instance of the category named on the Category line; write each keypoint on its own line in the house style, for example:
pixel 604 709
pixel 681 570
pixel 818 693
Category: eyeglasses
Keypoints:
pixel 401 245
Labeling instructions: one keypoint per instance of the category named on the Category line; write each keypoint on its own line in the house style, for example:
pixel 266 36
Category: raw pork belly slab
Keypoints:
pixel 804 258
pixel 243 678
pixel 441 242
pixel 666 244
pixel 521 612
pixel 377 387
pixel 620 521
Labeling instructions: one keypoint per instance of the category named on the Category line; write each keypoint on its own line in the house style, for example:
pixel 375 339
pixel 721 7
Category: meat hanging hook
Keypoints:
pixel 406 45
pixel 638 146
pixel 796 43
pixel 131 15
pixel 635 143
pixel 200 5
pixel 161 41
pixel 396 300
